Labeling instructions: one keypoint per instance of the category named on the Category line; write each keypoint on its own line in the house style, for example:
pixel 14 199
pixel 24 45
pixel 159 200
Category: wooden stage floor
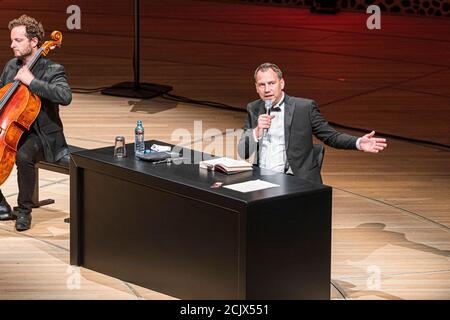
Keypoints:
pixel 391 211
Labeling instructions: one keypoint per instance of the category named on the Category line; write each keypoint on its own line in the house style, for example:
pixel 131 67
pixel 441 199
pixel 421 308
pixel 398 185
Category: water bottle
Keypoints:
pixel 139 142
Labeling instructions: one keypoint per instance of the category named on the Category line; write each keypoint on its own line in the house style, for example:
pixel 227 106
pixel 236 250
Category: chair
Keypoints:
pixel 319 152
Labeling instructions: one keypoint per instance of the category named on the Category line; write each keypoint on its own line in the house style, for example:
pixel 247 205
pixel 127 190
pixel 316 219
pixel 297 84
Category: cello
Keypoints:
pixel 19 108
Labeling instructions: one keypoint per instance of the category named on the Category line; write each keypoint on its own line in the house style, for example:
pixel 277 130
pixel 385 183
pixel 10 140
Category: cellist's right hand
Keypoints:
pixel 24 75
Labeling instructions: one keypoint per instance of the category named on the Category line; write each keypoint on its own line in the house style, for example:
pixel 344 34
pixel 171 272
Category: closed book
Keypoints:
pixel 226 165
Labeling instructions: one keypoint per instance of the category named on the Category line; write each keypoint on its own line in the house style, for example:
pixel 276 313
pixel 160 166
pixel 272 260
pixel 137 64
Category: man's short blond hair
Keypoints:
pixel 266 66
pixel 34 29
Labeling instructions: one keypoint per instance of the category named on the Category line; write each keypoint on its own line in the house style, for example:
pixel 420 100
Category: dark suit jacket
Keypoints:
pixel 50 84
pixel 302 119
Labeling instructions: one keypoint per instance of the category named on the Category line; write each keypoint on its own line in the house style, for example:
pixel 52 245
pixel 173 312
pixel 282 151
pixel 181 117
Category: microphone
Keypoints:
pixel 267 105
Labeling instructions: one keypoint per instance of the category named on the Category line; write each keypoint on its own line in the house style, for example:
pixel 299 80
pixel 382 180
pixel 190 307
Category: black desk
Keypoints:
pixel 161 226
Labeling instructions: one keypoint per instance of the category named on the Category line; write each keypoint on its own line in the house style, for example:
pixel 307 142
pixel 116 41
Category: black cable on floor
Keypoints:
pixel 338 290
pixel 176 98
pixel 172 97
pixel 409 212
pixel 87 90
pixel 389 135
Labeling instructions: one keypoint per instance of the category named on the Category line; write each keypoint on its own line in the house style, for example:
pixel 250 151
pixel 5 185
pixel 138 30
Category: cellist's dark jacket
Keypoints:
pixel 50 84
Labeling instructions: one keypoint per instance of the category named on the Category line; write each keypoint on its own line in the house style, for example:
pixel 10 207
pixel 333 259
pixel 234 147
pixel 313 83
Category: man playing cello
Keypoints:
pixel 45 139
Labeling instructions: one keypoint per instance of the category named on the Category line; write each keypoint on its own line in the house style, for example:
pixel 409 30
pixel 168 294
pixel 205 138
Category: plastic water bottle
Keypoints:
pixel 139 142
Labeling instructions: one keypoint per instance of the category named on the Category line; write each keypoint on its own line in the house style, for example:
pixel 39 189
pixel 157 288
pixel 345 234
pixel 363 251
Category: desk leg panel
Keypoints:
pixel 76 187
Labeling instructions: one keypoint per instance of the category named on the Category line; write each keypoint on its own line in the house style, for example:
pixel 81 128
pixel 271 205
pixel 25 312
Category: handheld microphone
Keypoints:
pixel 268 106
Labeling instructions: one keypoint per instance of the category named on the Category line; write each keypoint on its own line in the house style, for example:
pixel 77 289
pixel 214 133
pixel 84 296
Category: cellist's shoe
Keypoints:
pixel 23 221
pixel 5 211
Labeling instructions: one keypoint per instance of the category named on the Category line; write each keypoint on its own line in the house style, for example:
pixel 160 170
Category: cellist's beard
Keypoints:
pixel 23 55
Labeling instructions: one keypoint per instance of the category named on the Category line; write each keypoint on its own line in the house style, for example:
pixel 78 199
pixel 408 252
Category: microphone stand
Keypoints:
pixel 136 89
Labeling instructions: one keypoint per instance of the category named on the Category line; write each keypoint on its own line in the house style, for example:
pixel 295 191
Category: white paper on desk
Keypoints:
pixel 251 185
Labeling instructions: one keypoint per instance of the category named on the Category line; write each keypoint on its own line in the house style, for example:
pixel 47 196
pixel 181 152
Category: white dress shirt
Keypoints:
pixel 272 151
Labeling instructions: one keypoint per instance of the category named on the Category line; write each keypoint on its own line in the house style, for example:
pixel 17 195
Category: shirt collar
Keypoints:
pixel 281 102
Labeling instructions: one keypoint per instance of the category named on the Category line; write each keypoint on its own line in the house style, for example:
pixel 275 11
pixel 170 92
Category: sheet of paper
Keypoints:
pixel 251 185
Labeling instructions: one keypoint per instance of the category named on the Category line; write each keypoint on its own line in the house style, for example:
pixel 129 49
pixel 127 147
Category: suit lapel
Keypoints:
pixel 261 109
pixel 289 108
pixel 39 68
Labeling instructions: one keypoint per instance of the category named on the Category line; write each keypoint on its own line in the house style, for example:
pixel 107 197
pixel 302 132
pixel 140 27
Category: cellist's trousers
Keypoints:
pixel 29 152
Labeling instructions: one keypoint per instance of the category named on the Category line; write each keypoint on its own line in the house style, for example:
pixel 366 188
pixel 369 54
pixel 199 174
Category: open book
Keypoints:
pixel 226 165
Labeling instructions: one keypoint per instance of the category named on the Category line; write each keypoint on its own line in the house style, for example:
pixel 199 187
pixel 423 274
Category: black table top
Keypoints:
pixel 192 176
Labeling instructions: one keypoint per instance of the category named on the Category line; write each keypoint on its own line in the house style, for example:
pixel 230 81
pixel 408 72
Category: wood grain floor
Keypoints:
pixel 391 211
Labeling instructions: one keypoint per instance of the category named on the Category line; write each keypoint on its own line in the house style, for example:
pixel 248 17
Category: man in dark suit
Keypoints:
pixel 282 139
pixel 45 139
